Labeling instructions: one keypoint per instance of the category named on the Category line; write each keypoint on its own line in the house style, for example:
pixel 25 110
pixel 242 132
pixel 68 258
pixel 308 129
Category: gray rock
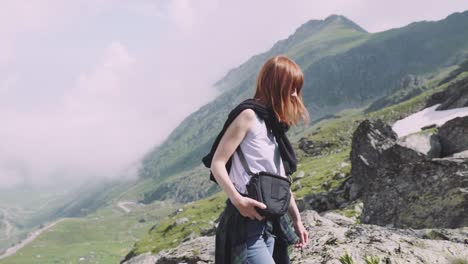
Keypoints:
pixel 329 241
pixel 454 135
pixel 402 187
pixel 300 204
pixel 299 175
pixel 339 175
pixel 196 251
pixel 333 199
pixel 316 148
pixel 369 140
pixel 181 220
pixel 145 258
pixel 331 236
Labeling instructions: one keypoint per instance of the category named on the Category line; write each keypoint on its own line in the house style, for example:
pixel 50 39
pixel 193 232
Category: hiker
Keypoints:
pixel 259 125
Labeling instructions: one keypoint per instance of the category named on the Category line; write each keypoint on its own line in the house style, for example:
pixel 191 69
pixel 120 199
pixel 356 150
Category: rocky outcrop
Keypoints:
pixel 401 186
pixel 370 139
pixel 454 135
pixel 331 236
pixel 409 181
pixel 313 148
pixel 336 198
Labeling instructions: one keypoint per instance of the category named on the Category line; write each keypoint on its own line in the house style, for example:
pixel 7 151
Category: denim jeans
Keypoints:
pixel 259 243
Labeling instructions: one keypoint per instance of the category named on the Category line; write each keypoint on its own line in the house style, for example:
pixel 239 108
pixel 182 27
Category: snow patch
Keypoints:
pixel 427 116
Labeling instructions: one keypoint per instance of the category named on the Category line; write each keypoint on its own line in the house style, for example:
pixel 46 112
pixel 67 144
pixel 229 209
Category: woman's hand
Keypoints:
pixel 246 207
pixel 302 233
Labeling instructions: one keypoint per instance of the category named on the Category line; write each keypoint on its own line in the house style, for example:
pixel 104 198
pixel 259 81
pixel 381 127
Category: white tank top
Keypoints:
pixel 261 152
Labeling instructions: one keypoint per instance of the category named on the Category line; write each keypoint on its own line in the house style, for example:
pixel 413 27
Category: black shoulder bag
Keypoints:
pixel 271 189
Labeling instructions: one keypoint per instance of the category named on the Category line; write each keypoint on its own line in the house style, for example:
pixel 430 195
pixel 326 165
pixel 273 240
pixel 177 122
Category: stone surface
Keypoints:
pixel 402 187
pixel 454 135
pixel 369 140
pixel 331 236
pixel 316 148
pixel 333 199
pixel 329 241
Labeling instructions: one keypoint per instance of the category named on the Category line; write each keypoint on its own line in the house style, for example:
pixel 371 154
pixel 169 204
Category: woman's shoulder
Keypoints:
pixel 246 116
pixel 248 113
pixel 249 118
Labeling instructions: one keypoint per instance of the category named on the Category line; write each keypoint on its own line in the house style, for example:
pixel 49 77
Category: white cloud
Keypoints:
pixel 95 133
pixel 105 85
pixel 5 53
pixel 181 12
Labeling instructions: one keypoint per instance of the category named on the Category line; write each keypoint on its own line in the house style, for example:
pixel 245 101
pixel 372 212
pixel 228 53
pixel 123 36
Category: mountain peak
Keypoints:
pixel 334 17
pixel 331 19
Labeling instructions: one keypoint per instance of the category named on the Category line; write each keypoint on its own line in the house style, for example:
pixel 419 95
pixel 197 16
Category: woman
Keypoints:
pixel 278 93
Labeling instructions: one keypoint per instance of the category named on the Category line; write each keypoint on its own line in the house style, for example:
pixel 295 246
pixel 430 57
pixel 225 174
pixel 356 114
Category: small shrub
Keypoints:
pixel 372 260
pixel 346 259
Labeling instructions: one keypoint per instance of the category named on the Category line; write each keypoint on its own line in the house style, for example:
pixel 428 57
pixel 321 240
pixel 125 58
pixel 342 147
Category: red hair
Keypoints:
pixel 276 81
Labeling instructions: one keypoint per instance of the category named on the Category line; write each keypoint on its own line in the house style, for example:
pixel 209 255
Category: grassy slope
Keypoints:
pixel 28 207
pixel 104 236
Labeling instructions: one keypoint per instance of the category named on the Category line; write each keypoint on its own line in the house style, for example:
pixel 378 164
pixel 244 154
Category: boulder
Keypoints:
pixel 419 195
pixel 454 135
pixel 196 251
pixel 369 140
pixel 316 148
pixel 338 197
pixel 403 187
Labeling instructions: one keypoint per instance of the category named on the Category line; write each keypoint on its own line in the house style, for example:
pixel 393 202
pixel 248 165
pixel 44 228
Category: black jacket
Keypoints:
pixel 279 130
pixel 231 237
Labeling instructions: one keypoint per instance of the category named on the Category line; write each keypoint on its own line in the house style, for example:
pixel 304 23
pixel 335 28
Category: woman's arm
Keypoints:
pixel 297 223
pixel 293 210
pixel 231 139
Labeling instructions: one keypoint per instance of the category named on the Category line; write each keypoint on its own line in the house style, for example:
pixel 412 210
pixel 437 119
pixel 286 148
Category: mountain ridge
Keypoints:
pixel 312 26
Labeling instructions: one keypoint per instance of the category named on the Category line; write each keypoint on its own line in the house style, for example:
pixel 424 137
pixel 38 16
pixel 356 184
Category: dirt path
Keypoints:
pixel 31 236
pixel 122 205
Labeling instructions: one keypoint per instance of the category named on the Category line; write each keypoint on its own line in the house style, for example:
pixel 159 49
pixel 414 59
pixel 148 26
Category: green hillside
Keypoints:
pixel 104 236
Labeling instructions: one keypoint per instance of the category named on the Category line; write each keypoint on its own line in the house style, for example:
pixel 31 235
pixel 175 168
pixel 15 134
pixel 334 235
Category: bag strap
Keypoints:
pixel 244 161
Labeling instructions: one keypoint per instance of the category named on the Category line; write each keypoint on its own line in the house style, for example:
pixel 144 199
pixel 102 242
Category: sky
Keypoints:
pixel 87 87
